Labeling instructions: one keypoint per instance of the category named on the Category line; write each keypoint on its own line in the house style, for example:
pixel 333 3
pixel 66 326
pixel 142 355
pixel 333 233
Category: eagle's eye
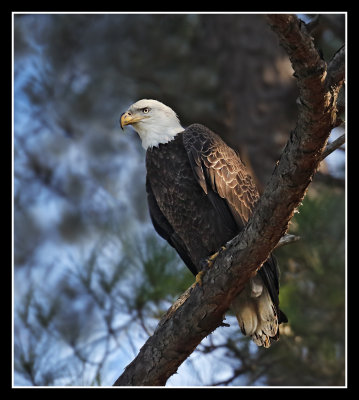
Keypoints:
pixel 145 110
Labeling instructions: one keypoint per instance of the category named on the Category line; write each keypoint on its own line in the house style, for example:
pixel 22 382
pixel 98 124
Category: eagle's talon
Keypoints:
pixel 212 258
pixel 222 249
pixel 199 278
pixel 209 261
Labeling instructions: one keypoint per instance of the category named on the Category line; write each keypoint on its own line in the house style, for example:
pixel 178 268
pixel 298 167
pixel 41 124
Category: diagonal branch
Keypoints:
pixel 200 310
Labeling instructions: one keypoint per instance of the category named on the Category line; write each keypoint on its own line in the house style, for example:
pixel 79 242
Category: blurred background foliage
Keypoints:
pixel 91 277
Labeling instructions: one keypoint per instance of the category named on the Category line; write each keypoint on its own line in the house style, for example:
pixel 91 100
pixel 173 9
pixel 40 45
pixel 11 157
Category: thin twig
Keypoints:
pixel 333 146
pixel 336 69
pixel 287 239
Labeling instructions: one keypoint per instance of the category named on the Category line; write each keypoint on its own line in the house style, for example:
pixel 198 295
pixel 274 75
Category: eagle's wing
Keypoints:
pixel 218 168
pixel 165 230
pixel 224 178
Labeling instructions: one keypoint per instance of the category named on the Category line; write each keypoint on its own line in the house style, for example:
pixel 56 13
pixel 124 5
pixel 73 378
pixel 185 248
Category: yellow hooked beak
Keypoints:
pixel 128 118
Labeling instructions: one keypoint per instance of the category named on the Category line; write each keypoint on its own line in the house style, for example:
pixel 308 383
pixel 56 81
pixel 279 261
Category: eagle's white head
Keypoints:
pixel 154 122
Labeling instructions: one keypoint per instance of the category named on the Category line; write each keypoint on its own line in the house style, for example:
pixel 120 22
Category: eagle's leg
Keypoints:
pixel 207 263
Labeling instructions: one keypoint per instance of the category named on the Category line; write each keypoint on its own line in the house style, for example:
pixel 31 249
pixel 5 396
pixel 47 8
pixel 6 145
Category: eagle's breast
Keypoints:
pixel 182 200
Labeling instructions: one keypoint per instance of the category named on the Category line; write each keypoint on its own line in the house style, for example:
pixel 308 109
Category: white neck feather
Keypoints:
pixel 154 134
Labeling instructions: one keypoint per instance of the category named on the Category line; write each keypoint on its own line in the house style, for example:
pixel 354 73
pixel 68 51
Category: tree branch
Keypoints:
pixel 200 310
pixel 333 146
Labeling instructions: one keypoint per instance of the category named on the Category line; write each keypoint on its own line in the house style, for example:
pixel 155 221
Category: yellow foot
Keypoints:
pixel 199 278
pixel 207 263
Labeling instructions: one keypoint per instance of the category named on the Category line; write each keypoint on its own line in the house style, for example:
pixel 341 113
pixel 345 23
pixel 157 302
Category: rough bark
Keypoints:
pixel 201 309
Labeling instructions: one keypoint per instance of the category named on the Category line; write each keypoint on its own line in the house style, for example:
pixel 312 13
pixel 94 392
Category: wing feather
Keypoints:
pixel 165 230
pixel 222 175
pixel 217 167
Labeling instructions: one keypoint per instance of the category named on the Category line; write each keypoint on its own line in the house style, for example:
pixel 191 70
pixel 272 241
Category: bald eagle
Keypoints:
pixel 200 196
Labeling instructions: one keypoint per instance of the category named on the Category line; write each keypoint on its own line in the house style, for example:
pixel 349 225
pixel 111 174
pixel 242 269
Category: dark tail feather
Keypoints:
pixel 281 317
